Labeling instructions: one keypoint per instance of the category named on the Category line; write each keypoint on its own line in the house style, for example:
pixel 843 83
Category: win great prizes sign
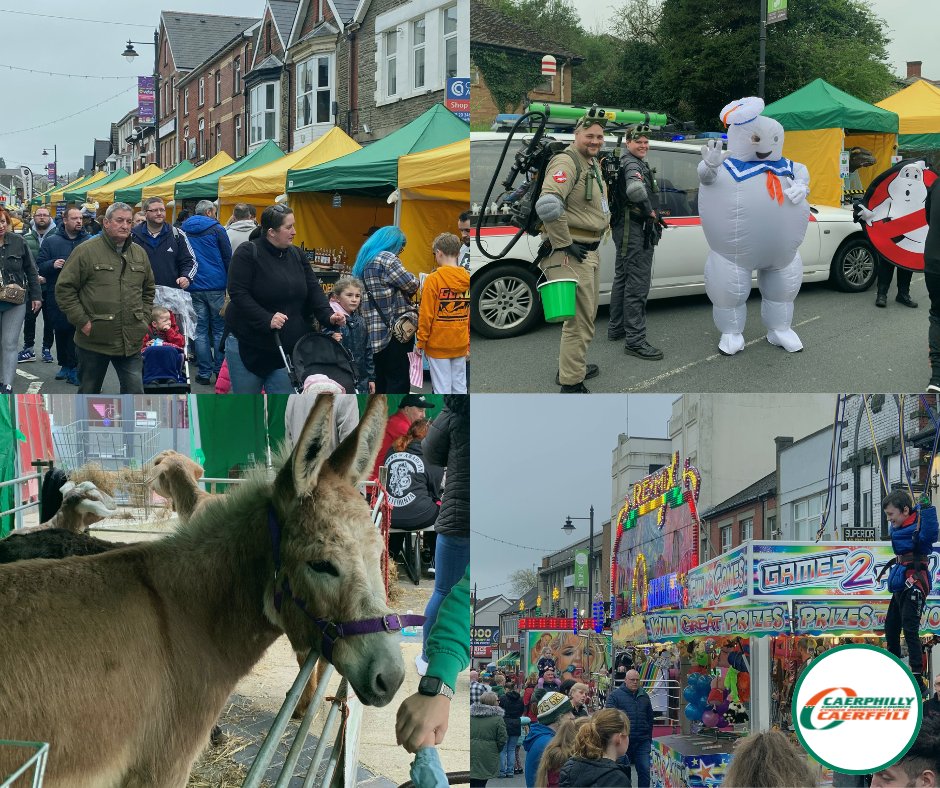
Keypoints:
pixel 756 620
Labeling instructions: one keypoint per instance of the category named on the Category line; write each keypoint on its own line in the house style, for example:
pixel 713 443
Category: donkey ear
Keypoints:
pixel 313 444
pixel 356 455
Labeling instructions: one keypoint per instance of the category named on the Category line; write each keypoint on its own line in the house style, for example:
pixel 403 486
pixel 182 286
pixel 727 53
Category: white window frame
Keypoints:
pixel 390 63
pixel 236 76
pixel 806 517
pixel 312 64
pixel 726 537
pixel 201 139
pixel 748 532
pixel 447 38
pixel 186 101
pixel 238 136
pixel 257 92
pixel 218 138
pixel 419 49
pixel 218 86
pixel 202 91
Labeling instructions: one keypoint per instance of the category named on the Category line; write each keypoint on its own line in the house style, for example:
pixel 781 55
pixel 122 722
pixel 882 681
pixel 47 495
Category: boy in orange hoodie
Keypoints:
pixel 444 318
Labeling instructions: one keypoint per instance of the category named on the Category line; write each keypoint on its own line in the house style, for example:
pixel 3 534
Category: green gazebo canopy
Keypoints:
pixel 132 194
pixel 78 195
pixel 820 105
pixel 373 170
pixel 207 187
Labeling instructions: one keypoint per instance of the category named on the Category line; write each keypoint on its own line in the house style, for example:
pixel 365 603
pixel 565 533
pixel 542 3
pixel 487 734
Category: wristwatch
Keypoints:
pixel 431 685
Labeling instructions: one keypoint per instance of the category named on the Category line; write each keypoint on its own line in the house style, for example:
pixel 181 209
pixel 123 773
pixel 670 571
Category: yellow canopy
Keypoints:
pixel 58 195
pixel 105 195
pixel 164 190
pixel 435 189
pixel 261 185
pixel 320 225
pixel 917 108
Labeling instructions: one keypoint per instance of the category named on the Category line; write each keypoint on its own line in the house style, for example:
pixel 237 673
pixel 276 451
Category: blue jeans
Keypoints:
pixel 451 558
pixel 638 757
pixel 209 325
pixel 245 382
pixel 507 757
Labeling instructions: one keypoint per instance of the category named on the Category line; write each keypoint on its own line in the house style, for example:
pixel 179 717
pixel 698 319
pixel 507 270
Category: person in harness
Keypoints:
pixel 913 531
pixel 574 210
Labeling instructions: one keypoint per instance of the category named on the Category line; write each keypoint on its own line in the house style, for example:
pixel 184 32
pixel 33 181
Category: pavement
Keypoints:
pixel 850 345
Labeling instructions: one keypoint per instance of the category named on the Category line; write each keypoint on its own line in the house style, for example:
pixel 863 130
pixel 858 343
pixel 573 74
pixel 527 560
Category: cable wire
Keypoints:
pixel 59 120
pixel 62 74
pixel 75 18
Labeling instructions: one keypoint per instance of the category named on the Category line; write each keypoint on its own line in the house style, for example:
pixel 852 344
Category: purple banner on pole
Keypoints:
pixel 145 101
pixel 50 172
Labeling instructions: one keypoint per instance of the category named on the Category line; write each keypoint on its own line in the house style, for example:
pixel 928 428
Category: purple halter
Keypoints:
pixel 331 630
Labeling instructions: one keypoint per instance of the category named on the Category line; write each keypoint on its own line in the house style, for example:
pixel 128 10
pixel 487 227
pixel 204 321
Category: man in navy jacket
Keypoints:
pixel 171 257
pixel 213 251
pixel 636 704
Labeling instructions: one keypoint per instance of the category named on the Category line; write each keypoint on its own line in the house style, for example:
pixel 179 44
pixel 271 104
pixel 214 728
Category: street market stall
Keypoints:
pixel 262 185
pixel 103 193
pixel 918 109
pixel 206 187
pixel 57 195
pixel 820 122
pixel 341 199
pixel 132 195
pixel 435 190
pixel 79 192
pixel 163 188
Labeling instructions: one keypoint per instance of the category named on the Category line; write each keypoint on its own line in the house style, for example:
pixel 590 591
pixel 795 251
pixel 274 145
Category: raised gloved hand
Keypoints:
pixel 575 250
pixel 797 192
pixel 711 154
pixel 862 214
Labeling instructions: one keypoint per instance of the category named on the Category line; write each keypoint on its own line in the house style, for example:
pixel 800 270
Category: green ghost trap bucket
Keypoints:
pixel 558 299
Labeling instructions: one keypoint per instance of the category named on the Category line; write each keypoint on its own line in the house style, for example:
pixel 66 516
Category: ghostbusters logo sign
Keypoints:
pixel 892 213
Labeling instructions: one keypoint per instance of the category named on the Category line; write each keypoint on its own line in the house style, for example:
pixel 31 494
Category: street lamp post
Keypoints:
pixel 129 54
pixel 568 527
pixel 55 163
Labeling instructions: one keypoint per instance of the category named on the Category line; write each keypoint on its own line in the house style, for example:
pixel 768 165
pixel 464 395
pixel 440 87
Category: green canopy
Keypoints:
pixel 819 105
pixel 207 187
pixel 78 194
pixel 373 170
pixel 132 194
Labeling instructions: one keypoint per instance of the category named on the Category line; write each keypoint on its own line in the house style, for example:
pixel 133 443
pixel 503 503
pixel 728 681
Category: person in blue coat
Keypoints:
pixel 913 532
pixel 553 709
pixel 53 255
pixel 633 701
pixel 213 252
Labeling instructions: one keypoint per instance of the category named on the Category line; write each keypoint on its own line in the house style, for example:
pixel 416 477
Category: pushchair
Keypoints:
pixel 166 368
pixel 319 354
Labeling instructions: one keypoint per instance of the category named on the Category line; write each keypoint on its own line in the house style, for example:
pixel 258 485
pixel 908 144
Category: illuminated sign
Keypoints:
pixel 554 623
pixel 745 620
pixel 664 591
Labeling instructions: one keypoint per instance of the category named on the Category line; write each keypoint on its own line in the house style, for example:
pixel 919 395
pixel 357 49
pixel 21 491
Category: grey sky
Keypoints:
pixel 537 459
pixel 912 25
pixel 50 44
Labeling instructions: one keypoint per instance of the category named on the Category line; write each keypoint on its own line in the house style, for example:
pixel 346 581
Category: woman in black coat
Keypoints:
pixel 17 267
pixel 514 708
pixel 273 289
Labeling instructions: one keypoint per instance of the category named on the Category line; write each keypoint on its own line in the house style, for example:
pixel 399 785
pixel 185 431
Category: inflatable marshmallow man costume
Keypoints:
pixel 755 215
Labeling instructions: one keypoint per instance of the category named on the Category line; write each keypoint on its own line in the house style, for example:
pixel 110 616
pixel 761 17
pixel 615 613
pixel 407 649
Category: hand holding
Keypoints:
pixel 183 282
pixel 278 319
pixel 422 721
pixel 58 263
pixel 337 319
pixel 37 305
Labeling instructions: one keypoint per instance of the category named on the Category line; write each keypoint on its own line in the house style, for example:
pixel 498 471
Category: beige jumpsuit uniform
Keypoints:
pixel 585 221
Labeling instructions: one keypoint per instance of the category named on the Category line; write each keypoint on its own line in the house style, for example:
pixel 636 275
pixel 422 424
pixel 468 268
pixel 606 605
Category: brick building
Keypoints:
pixel 491 30
pixel 748 514
pixel 192 46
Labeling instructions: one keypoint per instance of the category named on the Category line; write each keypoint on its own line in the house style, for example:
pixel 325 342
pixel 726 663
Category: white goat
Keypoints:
pixel 82 505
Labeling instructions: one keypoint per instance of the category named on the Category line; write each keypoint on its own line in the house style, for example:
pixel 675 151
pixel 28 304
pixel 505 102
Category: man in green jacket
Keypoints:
pixel 106 291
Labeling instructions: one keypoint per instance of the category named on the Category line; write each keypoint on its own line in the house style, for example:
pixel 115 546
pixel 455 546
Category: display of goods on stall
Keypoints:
pixel 327 259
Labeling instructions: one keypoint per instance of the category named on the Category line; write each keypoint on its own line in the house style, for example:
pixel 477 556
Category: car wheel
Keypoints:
pixel 853 267
pixel 504 301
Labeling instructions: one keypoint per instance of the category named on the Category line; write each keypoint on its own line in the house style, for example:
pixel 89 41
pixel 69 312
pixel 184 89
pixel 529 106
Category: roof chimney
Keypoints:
pixel 913 69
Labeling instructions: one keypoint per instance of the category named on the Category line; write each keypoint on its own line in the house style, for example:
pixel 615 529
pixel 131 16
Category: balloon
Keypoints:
pixel 754 214
pixel 693 712
pixel 710 719
pixel 690 693
pixel 722 707
pixel 724 722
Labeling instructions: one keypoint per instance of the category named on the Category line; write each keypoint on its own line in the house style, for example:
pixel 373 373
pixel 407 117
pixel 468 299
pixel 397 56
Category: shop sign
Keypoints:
pixel 722 579
pixel 850 617
pixel 745 620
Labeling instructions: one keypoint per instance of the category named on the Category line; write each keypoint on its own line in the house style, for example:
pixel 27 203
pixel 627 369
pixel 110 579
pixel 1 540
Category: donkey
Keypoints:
pixel 123 661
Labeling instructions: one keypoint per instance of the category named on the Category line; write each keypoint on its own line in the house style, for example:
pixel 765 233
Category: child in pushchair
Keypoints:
pixel 163 351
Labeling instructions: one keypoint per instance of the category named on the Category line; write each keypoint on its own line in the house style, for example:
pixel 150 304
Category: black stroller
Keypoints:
pixel 318 354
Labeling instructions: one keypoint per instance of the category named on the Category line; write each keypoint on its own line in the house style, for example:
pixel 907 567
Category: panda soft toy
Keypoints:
pixel 754 212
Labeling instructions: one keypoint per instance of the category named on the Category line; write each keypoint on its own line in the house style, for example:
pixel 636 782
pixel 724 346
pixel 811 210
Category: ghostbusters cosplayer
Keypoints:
pixel 574 210
pixel 754 213
pixel 636 232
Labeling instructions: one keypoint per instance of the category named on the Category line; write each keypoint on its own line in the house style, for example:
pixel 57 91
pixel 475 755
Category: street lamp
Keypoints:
pixel 568 528
pixel 129 54
pixel 55 163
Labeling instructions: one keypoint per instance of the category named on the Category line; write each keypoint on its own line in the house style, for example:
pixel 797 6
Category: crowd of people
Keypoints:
pixel 235 293
pixel 563 732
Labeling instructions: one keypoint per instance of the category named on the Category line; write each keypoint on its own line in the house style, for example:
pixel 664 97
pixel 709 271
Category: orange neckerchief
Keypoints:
pixel 774 188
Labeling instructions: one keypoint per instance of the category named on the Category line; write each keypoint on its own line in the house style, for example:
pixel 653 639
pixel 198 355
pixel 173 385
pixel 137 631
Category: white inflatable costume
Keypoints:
pixel 754 213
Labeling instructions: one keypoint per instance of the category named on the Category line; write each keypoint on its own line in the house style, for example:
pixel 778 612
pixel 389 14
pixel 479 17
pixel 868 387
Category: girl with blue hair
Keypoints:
pixel 389 289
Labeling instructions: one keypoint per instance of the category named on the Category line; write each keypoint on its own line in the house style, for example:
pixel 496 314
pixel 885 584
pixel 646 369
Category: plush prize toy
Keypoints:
pixel 754 213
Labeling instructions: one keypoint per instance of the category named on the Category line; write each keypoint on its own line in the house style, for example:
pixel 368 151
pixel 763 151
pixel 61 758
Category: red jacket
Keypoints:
pixel 170 337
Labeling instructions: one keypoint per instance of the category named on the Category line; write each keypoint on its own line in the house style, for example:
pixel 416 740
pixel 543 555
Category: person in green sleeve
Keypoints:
pixel 422 717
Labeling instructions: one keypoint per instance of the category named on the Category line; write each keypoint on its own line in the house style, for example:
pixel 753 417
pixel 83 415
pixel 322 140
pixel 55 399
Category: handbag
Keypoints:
pixel 405 326
pixel 13 294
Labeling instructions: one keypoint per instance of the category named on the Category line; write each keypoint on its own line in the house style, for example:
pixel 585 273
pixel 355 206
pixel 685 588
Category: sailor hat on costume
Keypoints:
pixel 742 111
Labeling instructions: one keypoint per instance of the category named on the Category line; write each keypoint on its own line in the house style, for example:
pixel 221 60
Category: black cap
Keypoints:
pixel 414 401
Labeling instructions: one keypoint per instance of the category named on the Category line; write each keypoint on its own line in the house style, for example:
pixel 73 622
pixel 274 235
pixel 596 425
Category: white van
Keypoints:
pixel 503 296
